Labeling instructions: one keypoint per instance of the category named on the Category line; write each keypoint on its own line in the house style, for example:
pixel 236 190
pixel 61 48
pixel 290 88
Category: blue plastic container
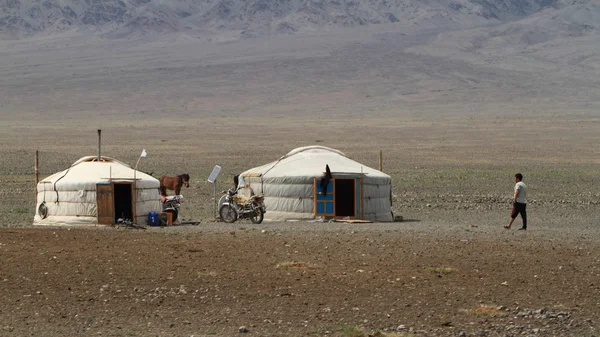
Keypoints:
pixel 153 219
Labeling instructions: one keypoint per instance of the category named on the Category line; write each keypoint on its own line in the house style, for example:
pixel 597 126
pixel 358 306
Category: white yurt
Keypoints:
pixel 96 190
pixel 293 187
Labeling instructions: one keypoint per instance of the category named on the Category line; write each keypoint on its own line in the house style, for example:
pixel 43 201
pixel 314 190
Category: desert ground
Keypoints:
pixel 453 133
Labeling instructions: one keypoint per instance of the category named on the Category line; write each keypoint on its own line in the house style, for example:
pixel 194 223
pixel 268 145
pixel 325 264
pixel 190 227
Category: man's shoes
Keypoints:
pixel 523 228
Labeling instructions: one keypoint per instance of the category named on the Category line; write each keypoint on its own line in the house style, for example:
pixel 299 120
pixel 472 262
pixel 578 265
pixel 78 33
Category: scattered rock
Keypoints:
pixel 401 328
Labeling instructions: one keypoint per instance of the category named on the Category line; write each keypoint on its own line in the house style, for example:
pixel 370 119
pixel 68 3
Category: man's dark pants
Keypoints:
pixel 522 209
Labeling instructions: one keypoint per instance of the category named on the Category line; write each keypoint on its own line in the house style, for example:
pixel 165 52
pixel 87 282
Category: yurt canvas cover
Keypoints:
pixel 291 186
pixel 94 191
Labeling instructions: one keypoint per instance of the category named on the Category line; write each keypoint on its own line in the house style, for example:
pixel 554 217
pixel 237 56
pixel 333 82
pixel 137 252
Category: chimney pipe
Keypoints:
pixel 99 144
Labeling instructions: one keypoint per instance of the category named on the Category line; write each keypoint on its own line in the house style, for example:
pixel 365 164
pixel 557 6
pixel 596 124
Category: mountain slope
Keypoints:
pixel 567 33
pixel 121 18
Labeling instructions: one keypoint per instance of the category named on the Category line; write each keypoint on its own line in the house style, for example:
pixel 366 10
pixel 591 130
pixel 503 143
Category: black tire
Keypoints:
pixel 258 216
pixel 228 213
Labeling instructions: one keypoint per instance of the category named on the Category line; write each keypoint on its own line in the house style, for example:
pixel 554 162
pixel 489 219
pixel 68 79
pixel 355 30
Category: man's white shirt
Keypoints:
pixel 522 198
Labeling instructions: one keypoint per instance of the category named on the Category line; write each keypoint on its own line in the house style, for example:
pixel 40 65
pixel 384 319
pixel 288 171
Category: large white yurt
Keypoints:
pixel 96 191
pixel 293 189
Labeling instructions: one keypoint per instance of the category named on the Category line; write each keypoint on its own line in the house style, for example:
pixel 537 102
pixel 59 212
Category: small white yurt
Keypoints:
pixel 96 191
pixel 293 189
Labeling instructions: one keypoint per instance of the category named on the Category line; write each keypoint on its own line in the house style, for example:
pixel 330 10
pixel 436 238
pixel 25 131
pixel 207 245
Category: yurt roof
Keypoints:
pixel 311 161
pixel 103 159
pixel 88 171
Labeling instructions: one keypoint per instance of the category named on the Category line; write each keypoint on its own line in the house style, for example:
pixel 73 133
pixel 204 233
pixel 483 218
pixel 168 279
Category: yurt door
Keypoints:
pixel 345 198
pixel 123 201
pixel 340 199
pixel 106 204
pixel 114 201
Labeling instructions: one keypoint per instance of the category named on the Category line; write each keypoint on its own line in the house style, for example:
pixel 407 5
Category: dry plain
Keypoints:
pixel 453 133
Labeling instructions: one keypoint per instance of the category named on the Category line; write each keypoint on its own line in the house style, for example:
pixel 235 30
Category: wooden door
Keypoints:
pixel 106 203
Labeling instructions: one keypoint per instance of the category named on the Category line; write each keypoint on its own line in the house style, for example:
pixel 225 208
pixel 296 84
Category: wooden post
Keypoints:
pixel 37 173
pixel 99 144
pixel 134 201
pixel 381 160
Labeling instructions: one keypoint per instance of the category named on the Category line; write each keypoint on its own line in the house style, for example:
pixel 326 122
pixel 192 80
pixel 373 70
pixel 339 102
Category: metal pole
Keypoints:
pixel 381 160
pixel 215 197
pixel 138 161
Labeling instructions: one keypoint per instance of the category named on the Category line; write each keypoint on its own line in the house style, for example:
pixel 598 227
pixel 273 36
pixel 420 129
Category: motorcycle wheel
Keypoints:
pixel 228 213
pixel 258 216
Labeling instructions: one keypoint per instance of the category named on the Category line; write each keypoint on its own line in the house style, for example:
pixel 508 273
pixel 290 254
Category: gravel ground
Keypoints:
pixel 414 278
pixel 452 133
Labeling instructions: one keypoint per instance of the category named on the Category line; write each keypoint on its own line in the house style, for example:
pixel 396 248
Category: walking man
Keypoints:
pixel 519 202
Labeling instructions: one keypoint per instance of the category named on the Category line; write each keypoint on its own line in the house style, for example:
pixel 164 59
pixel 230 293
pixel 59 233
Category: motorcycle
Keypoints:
pixel 171 204
pixel 236 207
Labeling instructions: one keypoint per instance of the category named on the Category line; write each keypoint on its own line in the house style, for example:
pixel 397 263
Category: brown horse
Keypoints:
pixel 174 183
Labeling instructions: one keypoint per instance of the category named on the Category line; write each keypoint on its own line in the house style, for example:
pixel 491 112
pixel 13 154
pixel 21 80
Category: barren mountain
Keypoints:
pixel 548 56
pixel 240 19
pixel 566 34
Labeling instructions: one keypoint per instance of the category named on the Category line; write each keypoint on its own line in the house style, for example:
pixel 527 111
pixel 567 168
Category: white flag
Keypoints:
pixel 144 154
